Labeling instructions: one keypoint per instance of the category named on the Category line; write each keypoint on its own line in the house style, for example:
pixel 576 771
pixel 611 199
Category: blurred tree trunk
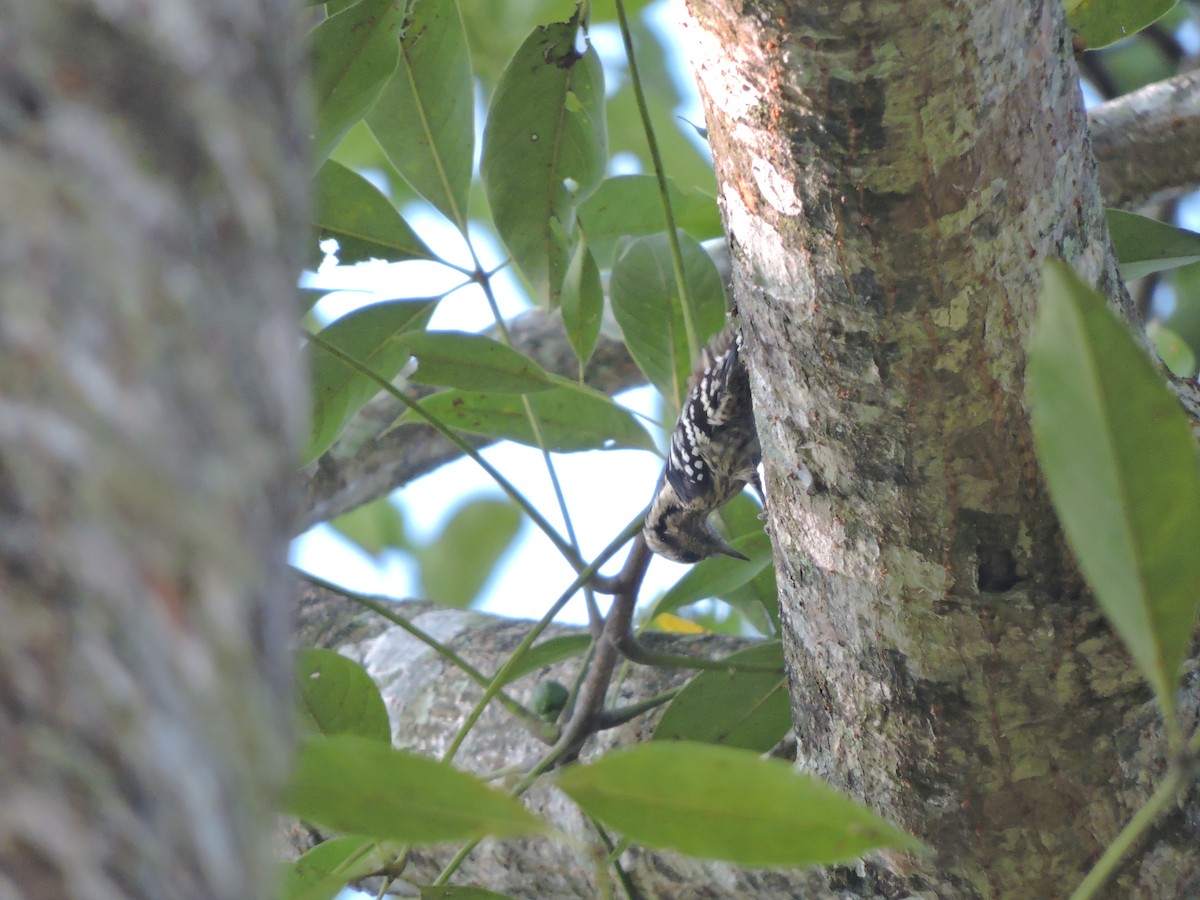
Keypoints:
pixel 153 185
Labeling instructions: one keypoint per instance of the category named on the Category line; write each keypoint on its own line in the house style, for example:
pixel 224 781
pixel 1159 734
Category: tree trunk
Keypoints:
pixel 153 185
pixel 891 177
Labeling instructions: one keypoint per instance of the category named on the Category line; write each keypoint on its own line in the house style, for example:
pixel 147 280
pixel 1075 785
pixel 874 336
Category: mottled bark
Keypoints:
pixel 891 177
pixel 153 185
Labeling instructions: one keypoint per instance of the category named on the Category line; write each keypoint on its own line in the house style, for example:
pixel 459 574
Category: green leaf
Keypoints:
pixel 757 599
pixel 309 297
pixel 361 219
pixel 1119 459
pixel 457 564
pixel 1146 245
pixel 570 417
pixel 376 527
pixel 718 575
pixel 1099 23
pixel 374 335
pixel 742 515
pixel 1184 319
pixel 456 892
pixel 1172 349
pixel 360 786
pixel 738 708
pixel 322 872
pixel 548 700
pixel 582 301
pixel 494 27
pixel 339 696
pixel 544 150
pixel 722 803
pixel 425 118
pixel 354 54
pixel 632 205
pixel 547 653
pixel 647 306
pixel 360 152
pixel 474 362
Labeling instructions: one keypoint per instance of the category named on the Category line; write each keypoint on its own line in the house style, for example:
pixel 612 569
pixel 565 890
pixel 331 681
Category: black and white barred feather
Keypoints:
pixel 714 454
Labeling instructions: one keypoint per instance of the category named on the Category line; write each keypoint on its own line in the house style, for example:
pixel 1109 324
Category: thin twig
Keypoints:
pixel 614 718
pixel 660 174
pixel 589 706
pixel 639 653
pixel 634 527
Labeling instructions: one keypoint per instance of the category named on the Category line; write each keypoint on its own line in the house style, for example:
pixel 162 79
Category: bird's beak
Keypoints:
pixel 726 550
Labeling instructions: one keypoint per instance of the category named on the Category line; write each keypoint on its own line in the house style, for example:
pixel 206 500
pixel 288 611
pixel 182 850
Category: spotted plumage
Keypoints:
pixel 714 454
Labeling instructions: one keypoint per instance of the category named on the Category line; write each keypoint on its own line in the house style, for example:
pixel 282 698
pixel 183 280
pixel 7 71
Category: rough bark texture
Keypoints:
pixel 153 192
pixel 891 176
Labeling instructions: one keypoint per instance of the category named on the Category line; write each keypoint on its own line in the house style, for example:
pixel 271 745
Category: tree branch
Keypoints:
pixel 1145 142
pixel 367 463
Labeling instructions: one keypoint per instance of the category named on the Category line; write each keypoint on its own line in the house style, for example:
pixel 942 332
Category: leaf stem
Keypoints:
pixel 619 715
pixel 636 652
pixel 485 285
pixel 594 619
pixel 660 174
pixel 1131 834
pixel 555 538
pixel 613 852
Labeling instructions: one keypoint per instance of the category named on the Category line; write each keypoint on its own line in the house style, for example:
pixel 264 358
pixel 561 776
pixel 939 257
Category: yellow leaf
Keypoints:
pixel 675 625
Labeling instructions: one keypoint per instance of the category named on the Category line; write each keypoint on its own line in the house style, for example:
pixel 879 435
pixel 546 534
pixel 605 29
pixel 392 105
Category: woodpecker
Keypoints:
pixel 714 454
